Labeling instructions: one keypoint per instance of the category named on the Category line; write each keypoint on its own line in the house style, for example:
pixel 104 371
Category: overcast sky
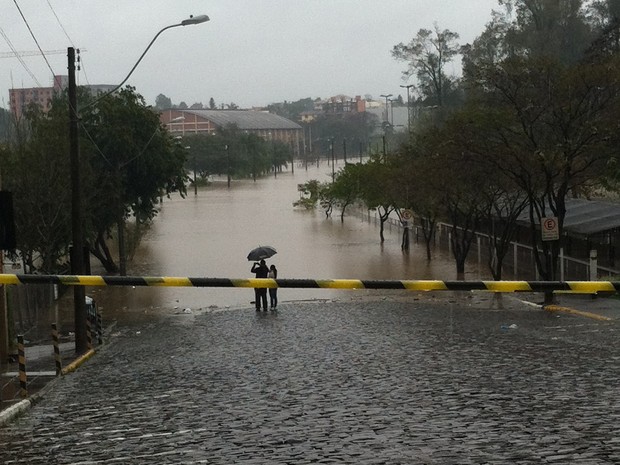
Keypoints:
pixel 251 52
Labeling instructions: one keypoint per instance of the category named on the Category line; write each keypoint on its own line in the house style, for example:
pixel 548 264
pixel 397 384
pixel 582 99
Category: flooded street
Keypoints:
pixel 211 233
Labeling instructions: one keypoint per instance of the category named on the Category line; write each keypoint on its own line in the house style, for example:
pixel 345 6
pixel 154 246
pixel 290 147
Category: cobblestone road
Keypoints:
pixel 372 382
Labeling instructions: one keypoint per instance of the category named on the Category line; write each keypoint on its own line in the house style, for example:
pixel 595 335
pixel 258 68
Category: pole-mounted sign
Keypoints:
pixel 549 228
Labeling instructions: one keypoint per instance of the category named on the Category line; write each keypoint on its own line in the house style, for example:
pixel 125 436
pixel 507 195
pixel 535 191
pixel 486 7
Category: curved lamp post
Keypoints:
pixel 186 22
pixel 387 115
pixel 408 86
pixel 77 250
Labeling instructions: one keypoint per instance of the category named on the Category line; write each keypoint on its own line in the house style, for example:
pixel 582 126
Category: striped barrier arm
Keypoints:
pixel 577 287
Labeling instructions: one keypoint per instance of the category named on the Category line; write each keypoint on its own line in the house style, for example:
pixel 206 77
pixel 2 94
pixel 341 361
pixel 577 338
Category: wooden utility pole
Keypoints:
pixel 77 249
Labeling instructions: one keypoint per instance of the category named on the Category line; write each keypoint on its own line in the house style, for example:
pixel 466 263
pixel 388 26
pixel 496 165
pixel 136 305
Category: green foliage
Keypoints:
pixel 291 110
pixel 162 102
pixel 234 152
pixel 127 161
pixel 133 154
pixel 427 55
pixel 355 128
pixel 309 194
pixel 37 172
pixel 5 124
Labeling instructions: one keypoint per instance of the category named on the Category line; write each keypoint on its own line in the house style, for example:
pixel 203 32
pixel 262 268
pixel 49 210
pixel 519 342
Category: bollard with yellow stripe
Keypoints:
pixel 575 287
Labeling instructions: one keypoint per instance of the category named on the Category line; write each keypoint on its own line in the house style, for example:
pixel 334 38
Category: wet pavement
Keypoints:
pixel 399 378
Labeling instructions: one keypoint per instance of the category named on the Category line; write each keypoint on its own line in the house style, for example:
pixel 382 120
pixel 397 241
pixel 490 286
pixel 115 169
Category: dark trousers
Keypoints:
pixel 260 295
pixel 273 297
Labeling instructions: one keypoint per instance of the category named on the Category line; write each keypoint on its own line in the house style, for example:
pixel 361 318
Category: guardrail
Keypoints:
pixel 577 287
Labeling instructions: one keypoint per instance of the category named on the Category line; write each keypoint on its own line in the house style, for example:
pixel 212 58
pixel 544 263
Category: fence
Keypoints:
pixel 519 263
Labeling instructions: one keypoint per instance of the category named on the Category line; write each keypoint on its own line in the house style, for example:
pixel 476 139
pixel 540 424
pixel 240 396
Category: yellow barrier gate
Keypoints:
pixel 577 287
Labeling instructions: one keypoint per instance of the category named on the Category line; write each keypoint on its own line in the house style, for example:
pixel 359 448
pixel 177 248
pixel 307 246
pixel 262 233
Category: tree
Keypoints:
pixel 500 199
pixel 135 162
pixel 309 194
pixel 212 105
pixel 247 154
pixel 291 110
pixel 427 55
pixel 36 170
pixel 552 123
pixel 345 188
pixel 5 124
pixel 162 102
pixel 354 127
pixel 376 189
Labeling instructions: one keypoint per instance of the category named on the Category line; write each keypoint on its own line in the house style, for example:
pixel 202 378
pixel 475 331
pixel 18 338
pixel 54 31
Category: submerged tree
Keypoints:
pixel 135 161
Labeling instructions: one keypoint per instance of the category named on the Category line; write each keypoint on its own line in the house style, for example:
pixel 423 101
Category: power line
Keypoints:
pixel 34 38
pixel 80 63
pixel 60 24
pixel 29 53
pixel 23 63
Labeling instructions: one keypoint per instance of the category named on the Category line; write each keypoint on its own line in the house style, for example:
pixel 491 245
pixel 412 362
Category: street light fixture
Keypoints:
pixel 77 251
pixel 186 22
pixel 408 86
pixel 387 115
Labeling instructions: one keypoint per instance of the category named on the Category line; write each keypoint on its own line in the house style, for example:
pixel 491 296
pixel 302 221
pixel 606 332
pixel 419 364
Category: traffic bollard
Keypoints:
pixel 21 356
pixel 56 343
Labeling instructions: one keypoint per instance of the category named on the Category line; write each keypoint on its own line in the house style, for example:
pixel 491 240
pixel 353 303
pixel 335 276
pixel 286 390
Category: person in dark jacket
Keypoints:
pixel 260 294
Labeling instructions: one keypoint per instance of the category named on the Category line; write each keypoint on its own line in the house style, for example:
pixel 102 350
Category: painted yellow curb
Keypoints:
pixel 77 362
pixel 572 311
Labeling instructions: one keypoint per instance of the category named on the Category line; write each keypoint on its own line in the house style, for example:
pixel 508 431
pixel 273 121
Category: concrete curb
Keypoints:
pixel 572 311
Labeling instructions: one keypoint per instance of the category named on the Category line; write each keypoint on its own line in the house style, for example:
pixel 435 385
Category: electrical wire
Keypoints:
pixel 79 56
pixel 60 24
pixel 18 56
pixel 34 38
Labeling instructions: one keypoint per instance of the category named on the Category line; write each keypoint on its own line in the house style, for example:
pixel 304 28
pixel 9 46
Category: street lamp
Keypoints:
pixel 77 251
pixel 408 86
pixel 186 22
pixel 387 116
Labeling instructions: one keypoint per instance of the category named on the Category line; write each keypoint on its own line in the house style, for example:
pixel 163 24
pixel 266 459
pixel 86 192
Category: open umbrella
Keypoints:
pixel 260 253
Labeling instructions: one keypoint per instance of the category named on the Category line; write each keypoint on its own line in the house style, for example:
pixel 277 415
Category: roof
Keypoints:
pixel 587 217
pixel 245 119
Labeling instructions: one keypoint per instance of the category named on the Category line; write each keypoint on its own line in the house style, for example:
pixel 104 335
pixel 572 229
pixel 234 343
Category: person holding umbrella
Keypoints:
pixel 260 293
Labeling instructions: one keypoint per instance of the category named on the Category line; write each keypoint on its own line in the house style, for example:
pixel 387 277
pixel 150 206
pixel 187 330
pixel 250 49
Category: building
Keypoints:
pixel 19 99
pixel 265 125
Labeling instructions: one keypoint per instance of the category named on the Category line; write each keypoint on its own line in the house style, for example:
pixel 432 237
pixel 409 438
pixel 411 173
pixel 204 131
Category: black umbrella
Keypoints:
pixel 260 253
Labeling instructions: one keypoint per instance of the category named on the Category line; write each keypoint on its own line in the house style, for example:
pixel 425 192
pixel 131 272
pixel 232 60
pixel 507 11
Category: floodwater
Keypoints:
pixel 211 233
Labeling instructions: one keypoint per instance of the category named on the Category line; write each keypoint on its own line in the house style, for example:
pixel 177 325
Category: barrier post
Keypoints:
pixel 99 328
pixel 515 265
pixel 23 379
pixel 593 265
pixel 57 358
pixel 89 338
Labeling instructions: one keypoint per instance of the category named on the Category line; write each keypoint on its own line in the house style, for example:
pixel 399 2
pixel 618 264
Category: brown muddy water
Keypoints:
pixel 211 233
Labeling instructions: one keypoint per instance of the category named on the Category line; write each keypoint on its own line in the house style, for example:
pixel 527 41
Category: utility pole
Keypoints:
pixel 331 146
pixel 77 249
